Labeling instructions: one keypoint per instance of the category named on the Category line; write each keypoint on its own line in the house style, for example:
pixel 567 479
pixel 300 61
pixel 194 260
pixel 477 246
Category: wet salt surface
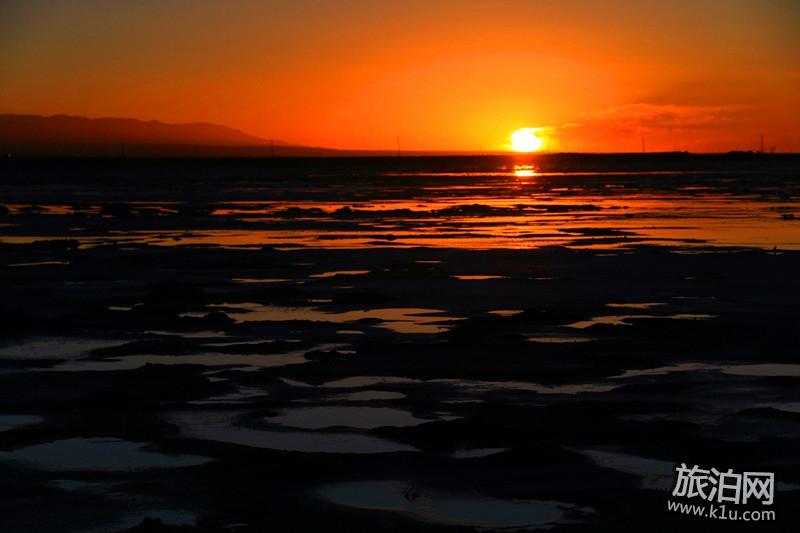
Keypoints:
pixel 219 426
pixel 352 417
pixel 470 509
pixel 97 454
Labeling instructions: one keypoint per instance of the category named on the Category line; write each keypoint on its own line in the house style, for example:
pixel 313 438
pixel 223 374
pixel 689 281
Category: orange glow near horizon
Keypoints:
pixel 455 75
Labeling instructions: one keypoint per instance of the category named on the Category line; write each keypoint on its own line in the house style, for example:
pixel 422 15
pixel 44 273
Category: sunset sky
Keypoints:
pixel 701 75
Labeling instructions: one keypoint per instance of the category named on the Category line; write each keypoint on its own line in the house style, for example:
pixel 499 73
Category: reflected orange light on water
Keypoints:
pixel 525 171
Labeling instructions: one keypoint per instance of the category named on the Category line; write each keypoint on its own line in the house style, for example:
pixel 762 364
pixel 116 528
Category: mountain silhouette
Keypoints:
pixel 63 135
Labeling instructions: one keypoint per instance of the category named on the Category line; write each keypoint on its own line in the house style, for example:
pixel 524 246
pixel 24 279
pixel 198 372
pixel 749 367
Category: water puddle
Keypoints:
pixel 560 339
pixel 477 277
pixel 366 396
pixel 470 510
pixel 132 362
pixel 345 416
pixel 211 359
pixel 756 370
pixel 624 320
pixel 641 305
pixel 219 426
pixel 472 386
pixel 168 517
pixel 661 370
pixel 764 370
pixel 204 334
pixel 53 347
pixel 97 454
pixel 790 407
pixel 474 453
pixel 242 395
pixel 356 382
pixel 259 280
pixel 506 312
pixel 655 474
pixel 39 263
pixel 335 273
pixel 484 386
pixel 9 422
pixel 400 320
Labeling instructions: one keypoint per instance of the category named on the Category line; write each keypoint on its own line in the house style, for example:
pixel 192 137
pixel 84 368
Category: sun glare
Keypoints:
pixel 526 140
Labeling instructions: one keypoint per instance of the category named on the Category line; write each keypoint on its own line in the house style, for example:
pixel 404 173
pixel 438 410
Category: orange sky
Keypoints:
pixel 700 75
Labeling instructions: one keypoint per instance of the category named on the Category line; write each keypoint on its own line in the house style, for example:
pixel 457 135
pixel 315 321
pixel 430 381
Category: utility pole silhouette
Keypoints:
pixel 398 147
pixel 643 150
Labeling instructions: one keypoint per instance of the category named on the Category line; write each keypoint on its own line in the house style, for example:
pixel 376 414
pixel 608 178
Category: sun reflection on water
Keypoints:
pixel 525 171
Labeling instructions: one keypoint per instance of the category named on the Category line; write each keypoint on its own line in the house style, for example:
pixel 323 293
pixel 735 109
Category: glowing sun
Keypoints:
pixel 526 140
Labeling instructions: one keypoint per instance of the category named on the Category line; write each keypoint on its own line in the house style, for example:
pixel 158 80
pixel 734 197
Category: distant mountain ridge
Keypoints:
pixel 36 135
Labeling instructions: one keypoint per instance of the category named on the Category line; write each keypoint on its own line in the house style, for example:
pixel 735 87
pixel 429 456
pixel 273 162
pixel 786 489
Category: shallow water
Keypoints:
pixel 494 203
